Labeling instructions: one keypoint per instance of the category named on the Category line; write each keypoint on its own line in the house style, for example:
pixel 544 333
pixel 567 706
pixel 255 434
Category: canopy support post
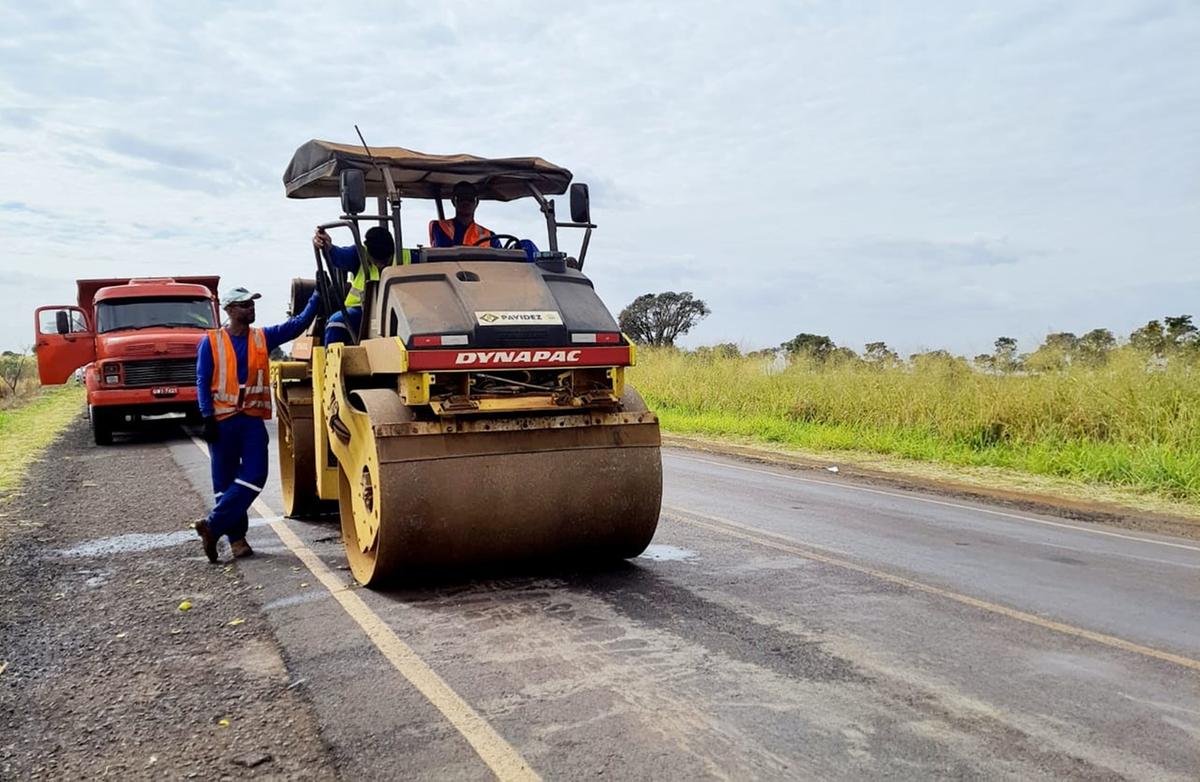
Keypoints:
pixel 547 210
pixel 396 225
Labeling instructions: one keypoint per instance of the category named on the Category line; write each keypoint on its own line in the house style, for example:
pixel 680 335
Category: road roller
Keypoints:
pixel 479 416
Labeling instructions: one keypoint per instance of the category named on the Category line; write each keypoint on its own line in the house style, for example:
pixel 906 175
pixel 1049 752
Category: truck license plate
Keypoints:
pixel 165 391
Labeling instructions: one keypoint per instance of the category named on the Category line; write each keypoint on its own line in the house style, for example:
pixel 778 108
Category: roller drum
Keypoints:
pixel 297 453
pixel 419 504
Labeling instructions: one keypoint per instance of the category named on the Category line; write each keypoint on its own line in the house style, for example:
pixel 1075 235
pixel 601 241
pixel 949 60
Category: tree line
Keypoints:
pixel 661 318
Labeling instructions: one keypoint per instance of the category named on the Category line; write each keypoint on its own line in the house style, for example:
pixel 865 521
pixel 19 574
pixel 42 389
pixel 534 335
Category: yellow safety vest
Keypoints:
pixel 369 272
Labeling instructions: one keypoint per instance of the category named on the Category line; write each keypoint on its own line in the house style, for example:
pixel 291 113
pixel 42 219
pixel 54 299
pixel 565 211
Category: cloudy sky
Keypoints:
pixel 930 174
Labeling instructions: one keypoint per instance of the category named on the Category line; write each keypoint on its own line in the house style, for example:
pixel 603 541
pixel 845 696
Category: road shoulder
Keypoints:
pixel 1001 488
pixel 104 674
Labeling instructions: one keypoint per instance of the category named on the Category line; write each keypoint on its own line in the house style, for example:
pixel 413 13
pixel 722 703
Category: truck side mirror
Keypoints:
pixel 62 322
pixel 581 210
pixel 354 191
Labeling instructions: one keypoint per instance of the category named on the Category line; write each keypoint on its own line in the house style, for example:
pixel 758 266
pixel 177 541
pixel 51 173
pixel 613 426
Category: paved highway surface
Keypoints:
pixel 782 625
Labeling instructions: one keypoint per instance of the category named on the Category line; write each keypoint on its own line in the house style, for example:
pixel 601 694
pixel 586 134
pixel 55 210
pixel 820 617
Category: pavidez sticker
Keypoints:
pixel 485 357
pixel 518 318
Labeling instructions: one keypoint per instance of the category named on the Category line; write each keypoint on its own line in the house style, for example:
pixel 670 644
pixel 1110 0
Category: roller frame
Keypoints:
pixel 591 479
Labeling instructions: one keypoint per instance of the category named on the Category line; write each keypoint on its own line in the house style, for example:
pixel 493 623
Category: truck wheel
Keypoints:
pixel 102 429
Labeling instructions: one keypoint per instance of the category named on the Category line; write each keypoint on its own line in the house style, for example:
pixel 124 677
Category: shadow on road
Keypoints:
pixel 152 431
pixel 636 593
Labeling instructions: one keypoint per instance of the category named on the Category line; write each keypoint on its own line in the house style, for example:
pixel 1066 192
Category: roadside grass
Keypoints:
pixel 26 429
pixel 18 379
pixel 1120 425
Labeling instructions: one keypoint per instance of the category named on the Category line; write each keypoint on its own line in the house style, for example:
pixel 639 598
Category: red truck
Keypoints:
pixel 136 340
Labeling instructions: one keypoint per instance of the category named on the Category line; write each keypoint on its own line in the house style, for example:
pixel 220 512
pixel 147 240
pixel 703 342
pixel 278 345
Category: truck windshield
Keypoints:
pixel 121 314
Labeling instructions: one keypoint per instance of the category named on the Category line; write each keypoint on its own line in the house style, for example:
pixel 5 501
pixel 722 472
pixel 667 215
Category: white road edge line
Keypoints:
pixel 500 756
pixel 931 501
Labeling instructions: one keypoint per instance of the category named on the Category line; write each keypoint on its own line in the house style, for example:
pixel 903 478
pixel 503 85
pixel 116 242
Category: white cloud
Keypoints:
pixel 931 176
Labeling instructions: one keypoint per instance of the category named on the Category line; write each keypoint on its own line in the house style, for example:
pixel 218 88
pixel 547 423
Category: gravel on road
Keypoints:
pixel 123 652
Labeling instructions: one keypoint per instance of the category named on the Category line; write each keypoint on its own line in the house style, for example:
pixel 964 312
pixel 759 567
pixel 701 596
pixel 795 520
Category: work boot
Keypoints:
pixel 208 539
pixel 241 549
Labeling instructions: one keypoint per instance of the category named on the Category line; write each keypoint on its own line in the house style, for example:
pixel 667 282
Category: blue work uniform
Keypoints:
pixel 239 456
pixel 338 324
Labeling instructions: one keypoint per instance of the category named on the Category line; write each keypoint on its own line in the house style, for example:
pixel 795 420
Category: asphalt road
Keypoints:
pixel 783 625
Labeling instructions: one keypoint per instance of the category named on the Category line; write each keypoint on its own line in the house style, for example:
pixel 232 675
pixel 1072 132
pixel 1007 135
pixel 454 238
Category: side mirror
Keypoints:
pixel 62 322
pixel 354 191
pixel 581 209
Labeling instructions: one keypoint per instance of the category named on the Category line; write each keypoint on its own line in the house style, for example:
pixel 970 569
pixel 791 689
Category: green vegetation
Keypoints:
pixel 18 378
pixel 27 428
pixel 661 318
pixel 1129 419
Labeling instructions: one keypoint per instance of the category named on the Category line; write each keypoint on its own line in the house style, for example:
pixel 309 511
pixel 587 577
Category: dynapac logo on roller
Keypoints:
pixel 488 357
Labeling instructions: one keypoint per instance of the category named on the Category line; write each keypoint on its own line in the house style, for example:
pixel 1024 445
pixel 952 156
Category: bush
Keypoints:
pixel 18 377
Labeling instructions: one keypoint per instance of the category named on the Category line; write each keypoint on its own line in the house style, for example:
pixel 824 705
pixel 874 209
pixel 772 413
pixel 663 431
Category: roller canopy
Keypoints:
pixel 314 169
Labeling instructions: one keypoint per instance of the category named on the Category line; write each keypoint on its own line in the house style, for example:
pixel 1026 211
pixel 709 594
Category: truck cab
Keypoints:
pixel 135 339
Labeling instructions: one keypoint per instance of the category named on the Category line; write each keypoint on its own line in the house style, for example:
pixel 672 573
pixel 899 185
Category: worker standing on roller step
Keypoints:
pixel 234 393
pixel 379 252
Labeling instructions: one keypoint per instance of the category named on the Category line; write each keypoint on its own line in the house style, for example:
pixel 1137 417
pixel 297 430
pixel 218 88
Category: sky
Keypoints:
pixel 928 174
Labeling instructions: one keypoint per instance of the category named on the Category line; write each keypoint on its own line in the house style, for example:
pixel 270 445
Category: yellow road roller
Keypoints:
pixel 479 414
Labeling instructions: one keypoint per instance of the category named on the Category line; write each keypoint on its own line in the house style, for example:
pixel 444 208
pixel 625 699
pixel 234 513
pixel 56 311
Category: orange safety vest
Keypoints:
pixel 229 397
pixel 475 233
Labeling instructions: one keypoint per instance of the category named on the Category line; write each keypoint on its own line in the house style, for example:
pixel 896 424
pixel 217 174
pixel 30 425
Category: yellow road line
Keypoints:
pixel 943 503
pixel 792 546
pixel 500 756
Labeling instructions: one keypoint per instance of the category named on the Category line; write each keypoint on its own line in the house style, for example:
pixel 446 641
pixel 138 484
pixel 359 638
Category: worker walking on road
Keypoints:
pixel 234 392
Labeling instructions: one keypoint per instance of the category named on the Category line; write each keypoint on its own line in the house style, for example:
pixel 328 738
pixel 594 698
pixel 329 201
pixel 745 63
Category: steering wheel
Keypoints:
pixel 510 242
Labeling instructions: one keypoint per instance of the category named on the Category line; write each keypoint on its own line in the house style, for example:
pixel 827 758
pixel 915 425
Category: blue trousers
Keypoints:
pixel 336 326
pixel 239 472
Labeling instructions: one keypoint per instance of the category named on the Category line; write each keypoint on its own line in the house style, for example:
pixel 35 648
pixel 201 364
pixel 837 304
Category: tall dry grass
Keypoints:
pixel 18 379
pixel 1125 423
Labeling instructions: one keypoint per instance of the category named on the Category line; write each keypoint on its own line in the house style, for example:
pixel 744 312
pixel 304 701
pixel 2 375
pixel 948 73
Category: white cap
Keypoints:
pixel 238 295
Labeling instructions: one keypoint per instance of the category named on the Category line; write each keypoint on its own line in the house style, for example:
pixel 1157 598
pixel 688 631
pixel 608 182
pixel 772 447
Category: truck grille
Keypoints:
pixel 173 371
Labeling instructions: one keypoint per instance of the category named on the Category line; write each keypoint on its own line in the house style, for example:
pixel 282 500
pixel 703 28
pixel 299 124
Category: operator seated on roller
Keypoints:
pixel 462 230
pixel 379 252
